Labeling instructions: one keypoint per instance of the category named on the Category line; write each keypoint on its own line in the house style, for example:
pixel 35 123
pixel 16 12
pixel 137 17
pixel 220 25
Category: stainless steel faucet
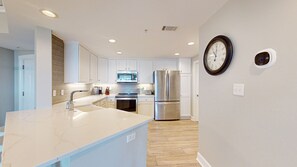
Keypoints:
pixel 70 104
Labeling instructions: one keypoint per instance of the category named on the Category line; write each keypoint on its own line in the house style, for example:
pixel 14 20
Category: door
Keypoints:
pixel 26 82
pixel 173 85
pixel 161 82
pixel 195 113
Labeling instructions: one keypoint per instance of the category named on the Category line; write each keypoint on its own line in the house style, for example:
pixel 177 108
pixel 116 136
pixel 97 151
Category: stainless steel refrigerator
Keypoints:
pixel 167 95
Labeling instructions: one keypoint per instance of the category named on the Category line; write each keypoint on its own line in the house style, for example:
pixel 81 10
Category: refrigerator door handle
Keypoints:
pixel 167 85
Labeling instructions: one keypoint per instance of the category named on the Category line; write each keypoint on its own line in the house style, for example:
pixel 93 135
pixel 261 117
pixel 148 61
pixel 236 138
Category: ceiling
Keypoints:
pixel 94 22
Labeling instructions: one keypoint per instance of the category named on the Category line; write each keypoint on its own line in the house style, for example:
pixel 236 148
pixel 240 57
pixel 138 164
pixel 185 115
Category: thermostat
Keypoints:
pixel 265 58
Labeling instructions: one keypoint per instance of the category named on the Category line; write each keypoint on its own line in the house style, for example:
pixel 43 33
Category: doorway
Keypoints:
pixel 26 93
pixel 195 111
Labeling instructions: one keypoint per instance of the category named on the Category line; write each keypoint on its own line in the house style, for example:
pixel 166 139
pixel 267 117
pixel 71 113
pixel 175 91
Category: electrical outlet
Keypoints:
pixel 131 137
pixel 54 93
pixel 62 92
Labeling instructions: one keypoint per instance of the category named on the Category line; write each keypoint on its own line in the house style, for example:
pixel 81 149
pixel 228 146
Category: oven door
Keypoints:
pixel 127 104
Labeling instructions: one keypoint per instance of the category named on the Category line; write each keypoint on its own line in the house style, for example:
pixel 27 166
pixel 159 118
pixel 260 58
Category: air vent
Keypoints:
pixel 169 28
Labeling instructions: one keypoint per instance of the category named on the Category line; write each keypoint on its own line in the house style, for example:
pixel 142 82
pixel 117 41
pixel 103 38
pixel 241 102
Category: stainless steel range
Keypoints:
pixel 127 102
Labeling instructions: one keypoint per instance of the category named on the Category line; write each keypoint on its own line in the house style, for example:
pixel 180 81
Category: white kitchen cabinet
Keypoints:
pixel 93 68
pixel 165 64
pixel 112 71
pixel 125 65
pixel 185 95
pixel 184 65
pixel 145 71
pixel 102 70
pixel 185 107
pixel 77 63
pixel 146 106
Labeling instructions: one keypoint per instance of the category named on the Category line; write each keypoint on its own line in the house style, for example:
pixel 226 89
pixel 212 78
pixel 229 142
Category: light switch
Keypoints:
pixel 238 89
pixel 62 92
pixel 54 93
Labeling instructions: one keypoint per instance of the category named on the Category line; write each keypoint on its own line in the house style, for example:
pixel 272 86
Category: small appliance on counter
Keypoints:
pixel 100 90
pixel 107 91
pixel 95 90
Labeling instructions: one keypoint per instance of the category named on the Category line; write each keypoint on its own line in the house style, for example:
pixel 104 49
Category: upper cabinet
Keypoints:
pixel 126 65
pixel 165 64
pixel 112 71
pixel 79 66
pixel 184 65
pixel 94 68
pixel 145 71
pixel 102 70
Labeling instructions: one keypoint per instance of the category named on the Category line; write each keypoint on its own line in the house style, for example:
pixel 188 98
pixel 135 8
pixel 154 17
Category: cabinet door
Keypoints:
pixel 84 65
pixel 185 106
pixel 146 108
pixel 121 65
pixel 112 71
pixel 145 71
pixel 185 85
pixel 184 65
pixel 102 70
pixel 131 65
pixel 93 68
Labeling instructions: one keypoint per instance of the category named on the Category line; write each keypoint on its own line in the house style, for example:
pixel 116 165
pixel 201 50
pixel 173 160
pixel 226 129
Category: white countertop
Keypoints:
pixel 42 137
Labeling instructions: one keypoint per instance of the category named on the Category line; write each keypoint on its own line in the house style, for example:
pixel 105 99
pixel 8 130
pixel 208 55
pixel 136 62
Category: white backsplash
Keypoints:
pixel 127 88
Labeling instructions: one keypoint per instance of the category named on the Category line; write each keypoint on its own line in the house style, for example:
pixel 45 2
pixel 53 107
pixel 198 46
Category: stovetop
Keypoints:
pixel 126 95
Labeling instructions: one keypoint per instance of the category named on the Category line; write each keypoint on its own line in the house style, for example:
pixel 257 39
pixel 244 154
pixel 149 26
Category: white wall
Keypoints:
pixel 6 83
pixel 259 129
pixel 43 52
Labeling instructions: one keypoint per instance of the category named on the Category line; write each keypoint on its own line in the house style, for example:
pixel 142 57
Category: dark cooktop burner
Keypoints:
pixel 126 95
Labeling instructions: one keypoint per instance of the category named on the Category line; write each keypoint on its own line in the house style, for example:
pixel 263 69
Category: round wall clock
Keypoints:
pixel 218 55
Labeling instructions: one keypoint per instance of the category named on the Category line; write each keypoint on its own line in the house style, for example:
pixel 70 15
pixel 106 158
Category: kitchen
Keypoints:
pixel 247 113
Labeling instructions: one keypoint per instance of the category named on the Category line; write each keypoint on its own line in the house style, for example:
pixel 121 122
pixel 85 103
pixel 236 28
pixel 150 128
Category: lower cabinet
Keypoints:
pixel 146 106
pixel 111 103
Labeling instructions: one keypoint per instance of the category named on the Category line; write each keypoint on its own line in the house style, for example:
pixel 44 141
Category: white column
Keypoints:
pixel 43 51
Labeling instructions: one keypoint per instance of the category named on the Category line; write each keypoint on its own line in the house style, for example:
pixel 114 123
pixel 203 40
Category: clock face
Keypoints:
pixel 218 55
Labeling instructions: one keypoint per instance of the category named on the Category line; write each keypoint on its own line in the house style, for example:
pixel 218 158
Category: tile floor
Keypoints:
pixel 172 144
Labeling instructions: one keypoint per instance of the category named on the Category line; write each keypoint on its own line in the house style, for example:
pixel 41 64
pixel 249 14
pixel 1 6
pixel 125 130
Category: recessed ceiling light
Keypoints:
pixel 176 54
pixel 191 43
pixel 48 13
pixel 112 40
pixel 119 53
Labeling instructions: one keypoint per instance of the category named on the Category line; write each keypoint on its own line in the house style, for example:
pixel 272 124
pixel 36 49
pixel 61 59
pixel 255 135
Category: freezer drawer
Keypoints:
pixel 167 110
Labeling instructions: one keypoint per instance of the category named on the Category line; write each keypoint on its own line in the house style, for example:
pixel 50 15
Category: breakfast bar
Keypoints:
pixel 88 136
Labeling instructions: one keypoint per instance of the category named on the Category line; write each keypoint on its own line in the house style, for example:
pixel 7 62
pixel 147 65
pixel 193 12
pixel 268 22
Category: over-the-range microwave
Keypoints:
pixel 127 77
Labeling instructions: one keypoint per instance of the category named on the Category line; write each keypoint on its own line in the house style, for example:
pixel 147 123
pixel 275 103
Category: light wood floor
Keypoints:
pixel 172 144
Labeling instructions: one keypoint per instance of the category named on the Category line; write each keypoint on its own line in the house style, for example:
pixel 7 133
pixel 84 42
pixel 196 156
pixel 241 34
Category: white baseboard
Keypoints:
pixel 185 117
pixel 202 161
pixel 194 119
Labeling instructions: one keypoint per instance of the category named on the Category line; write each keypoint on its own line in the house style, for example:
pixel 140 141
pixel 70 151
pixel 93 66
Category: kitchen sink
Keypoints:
pixel 87 108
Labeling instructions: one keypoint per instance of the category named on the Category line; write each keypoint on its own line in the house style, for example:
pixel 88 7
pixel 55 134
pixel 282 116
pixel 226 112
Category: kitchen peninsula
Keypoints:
pixel 90 136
